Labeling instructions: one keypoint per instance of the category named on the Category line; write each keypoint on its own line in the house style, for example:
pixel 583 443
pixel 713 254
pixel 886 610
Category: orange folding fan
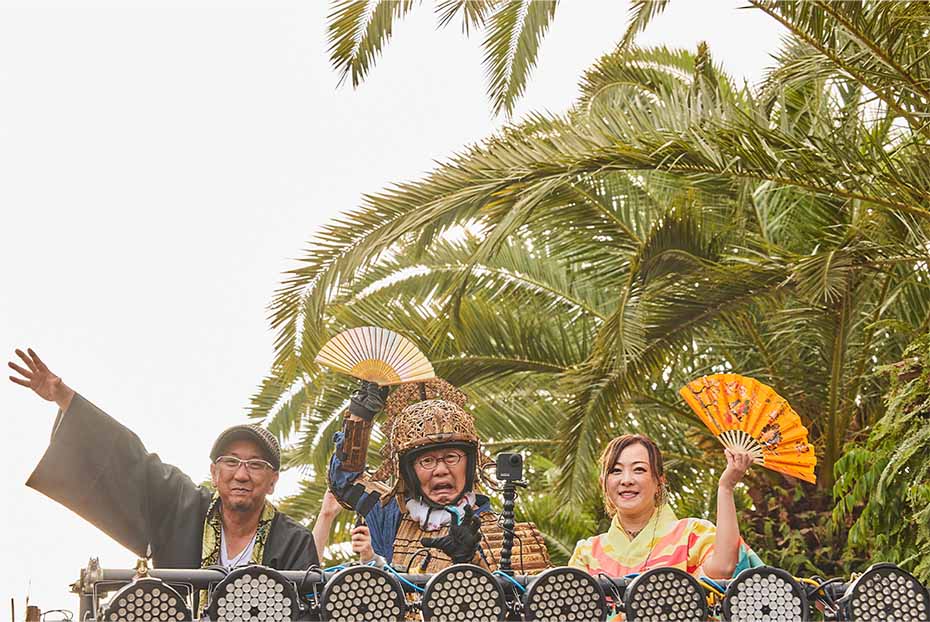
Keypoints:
pixel 745 414
pixel 377 355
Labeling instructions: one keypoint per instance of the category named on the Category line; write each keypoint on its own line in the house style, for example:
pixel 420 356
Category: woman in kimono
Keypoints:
pixel 646 534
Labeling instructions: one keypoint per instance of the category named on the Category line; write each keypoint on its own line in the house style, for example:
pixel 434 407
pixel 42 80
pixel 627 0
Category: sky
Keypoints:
pixel 163 163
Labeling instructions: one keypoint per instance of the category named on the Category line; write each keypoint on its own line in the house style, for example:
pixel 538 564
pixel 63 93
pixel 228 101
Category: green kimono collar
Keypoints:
pixel 212 539
pixel 212 533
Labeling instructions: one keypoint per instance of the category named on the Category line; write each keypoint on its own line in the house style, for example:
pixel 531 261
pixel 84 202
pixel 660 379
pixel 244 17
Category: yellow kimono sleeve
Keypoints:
pixel 701 540
pixel 581 556
pixel 701 537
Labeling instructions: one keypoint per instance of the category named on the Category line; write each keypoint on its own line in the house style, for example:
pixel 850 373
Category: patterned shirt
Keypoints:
pixel 665 541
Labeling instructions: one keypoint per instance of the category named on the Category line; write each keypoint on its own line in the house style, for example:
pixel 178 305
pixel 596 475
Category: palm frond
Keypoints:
pixel 642 12
pixel 358 30
pixel 474 12
pixel 572 271
pixel 511 47
pixel 880 45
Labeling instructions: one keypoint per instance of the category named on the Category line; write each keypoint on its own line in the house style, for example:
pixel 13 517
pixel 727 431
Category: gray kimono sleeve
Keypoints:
pixel 101 470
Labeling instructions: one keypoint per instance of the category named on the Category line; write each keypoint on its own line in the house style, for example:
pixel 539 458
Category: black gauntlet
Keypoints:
pixel 368 400
pixel 461 543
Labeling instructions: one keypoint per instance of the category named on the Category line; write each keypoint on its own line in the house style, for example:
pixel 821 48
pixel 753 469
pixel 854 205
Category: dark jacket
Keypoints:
pixel 100 469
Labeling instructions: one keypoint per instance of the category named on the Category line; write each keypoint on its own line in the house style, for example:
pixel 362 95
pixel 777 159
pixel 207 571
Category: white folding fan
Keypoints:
pixel 377 355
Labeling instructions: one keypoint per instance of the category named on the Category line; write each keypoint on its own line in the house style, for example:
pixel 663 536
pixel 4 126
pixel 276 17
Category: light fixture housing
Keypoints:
pixel 147 598
pixel 466 593
pixel 885 592
pixel 362 594
pixel 765 594
pixel 565 594
pixel 665 595
pixel 254 592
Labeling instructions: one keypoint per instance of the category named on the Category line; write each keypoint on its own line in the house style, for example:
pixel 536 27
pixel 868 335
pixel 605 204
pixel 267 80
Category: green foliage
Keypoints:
pixel 305 506
pixel 511 48
pixel 882 490
pixel 571 272
pixel 791 529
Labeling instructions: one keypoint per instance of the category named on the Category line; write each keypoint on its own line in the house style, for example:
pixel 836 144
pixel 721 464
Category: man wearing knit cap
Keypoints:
pixel 101 471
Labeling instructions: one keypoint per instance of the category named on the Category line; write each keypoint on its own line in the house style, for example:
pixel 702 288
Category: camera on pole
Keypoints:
pixel 510 471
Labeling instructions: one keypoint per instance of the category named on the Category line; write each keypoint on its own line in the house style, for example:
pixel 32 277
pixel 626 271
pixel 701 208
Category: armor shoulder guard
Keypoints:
pixel 529 555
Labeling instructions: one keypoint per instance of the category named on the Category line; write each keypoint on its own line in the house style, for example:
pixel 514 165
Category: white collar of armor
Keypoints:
pixel 431 518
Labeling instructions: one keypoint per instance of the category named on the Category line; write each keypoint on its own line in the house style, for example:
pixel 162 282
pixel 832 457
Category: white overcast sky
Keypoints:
pixel 161 164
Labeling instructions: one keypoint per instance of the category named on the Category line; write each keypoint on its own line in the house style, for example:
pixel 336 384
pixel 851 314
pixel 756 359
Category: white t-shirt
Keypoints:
pixel 243 558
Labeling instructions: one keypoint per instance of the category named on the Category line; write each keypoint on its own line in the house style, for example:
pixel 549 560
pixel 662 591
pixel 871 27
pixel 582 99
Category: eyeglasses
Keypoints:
pixel 255 465
pixel 428 463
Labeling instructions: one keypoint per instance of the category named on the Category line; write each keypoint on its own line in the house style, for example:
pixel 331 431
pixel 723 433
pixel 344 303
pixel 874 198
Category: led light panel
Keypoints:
pixel 565 594
pixel 465 593
pixel 885 592
pixel 765 594
pixel 147 598
pixel 254 593
pixel 363 594
pixel 665 595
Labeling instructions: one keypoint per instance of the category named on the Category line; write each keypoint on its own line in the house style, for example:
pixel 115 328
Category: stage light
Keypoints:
pixel 665 595
pixel 147 599
pixel 565 594
pixel 363 594
pixel 463 593
pixel 764 594
pixel 254 593
pixel 885 592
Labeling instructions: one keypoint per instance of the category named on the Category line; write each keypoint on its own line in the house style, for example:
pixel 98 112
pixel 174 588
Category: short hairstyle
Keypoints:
pixel 612 452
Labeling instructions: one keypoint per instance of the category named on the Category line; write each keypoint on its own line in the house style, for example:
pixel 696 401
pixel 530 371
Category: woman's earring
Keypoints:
pixel 661 495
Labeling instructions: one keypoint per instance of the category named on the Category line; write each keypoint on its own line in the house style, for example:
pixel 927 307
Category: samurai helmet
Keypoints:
pixel 423 416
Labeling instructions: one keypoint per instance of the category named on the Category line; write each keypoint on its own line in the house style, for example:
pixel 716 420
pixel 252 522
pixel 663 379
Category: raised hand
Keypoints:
pixel 368 400
pixel 738 462
pixel 37 376
pixel 330 507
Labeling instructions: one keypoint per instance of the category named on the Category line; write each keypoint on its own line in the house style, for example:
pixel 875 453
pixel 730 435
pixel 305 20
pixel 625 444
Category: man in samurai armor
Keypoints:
pixel 421 508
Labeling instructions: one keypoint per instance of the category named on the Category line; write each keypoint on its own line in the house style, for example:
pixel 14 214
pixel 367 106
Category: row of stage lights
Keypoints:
pixel 470 593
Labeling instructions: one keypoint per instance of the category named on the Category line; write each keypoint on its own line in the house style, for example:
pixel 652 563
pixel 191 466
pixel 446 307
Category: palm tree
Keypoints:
pixel 359 29
pixel 574 270
pixel 886 476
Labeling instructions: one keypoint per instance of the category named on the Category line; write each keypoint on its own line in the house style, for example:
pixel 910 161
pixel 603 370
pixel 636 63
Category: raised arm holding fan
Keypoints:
pixel 754 424
pixel 432 515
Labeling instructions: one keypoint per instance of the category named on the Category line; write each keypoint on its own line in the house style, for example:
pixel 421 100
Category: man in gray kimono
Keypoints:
pixel 100 470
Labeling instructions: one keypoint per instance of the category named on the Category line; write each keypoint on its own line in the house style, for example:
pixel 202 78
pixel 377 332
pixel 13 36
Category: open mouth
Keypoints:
pixel 628 494
pixel 442 487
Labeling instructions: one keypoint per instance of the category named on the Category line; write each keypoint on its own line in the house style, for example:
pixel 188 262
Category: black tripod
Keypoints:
pixel 508 523
pixel 509 471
